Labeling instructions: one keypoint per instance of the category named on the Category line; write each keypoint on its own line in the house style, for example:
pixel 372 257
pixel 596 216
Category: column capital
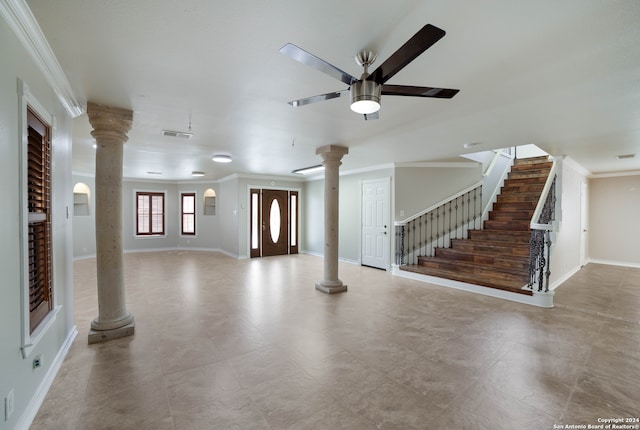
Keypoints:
pixel 332 152
pixel 109 122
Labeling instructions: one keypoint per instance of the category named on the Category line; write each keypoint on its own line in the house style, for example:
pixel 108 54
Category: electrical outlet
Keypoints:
pixel 37 361
pixel 8 405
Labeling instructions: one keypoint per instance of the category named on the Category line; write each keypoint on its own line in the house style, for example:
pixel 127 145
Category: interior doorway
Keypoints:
pixel 375 223
pixel 273 224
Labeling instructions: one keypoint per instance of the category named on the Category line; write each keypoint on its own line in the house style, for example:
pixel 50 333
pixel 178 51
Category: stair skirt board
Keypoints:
pixel 539 299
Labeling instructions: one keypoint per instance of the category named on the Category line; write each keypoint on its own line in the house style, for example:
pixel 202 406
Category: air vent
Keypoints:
pixel 625 156
pixel 173 133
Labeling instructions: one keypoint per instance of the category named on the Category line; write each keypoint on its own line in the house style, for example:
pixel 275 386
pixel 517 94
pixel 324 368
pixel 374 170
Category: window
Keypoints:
pixel 293 222
pixel 149 214
pixel 188 211
pixel 39 254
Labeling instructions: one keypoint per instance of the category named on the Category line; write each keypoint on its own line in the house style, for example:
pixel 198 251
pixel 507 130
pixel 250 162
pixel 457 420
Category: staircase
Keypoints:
pixel 498 255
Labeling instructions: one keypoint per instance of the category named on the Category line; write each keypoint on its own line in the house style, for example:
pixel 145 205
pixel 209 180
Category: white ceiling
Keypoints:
pixel 564 75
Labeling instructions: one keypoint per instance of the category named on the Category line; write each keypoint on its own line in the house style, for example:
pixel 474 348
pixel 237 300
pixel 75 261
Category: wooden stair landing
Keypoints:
pixel 498 255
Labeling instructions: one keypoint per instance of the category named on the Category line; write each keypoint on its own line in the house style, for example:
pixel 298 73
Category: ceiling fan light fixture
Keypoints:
pixel 365 97
pixel 221 158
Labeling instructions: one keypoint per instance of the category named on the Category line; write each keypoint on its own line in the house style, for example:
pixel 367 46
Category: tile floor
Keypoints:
pixel 250 344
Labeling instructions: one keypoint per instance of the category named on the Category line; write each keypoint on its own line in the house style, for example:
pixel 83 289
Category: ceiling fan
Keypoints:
pixel 366 92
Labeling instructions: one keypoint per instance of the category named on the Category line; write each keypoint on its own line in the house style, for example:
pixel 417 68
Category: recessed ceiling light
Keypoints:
pixel 197 173
pixel 221 158
pixel 309 170
pixel 625 156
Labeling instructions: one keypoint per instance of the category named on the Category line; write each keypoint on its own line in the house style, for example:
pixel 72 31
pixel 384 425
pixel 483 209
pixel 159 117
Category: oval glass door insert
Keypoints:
pixel 274 217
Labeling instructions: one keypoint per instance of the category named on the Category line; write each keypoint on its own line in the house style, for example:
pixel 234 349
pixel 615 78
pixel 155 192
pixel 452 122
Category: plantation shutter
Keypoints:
pixel 39 230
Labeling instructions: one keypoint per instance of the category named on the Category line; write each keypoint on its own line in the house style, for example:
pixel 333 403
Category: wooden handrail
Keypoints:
pixel 534 225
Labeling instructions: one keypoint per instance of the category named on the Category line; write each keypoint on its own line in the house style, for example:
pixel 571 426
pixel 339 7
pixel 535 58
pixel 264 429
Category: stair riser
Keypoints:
pixel 536 180
pixel 506 262
pixel 531 167
pixel 499 236
pixel 507 225
pixel 510 215
pixel 515 206
pixel 522 197
pixel 471 246
pixel 522 188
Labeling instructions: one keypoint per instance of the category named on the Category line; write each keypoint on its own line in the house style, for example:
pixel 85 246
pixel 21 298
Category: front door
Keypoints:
pixel 275 222
pixel 375 223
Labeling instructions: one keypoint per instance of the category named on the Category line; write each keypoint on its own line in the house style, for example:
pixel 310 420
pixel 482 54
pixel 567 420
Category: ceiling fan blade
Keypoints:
pixel 420 42
pixel 318 98
pixel 370 116
pixel 406 90
pixel 302 56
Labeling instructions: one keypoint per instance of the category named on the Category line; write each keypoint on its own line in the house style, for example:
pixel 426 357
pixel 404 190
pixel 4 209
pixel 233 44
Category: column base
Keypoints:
pixel 331 287
pixel 96 336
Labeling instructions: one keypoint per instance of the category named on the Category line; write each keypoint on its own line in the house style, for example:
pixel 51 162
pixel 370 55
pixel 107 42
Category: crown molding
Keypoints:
pixel 21 20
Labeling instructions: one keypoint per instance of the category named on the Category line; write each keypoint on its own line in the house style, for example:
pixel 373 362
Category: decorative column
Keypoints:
pixel 110 127
pixel 331 156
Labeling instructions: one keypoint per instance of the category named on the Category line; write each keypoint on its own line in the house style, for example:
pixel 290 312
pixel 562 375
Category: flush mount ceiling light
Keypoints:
pixel 221 158
pixel 197 173
pixel 174 133
pixel 309 170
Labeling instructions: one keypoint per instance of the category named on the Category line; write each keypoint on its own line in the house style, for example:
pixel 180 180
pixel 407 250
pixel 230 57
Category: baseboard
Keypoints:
pixel 564 278
pixel 344 260
pixel 29 414
pixel 615 263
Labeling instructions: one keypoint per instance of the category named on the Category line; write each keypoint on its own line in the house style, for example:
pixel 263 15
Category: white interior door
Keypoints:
pixel 376 230
pixel 584 221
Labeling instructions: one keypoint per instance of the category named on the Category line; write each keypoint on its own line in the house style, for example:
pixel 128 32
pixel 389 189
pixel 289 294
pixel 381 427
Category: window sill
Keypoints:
pixel 150 236
pixel 31 341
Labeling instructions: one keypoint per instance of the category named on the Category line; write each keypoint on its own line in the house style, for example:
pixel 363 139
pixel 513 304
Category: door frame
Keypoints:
pixel 247 223
pixel 584 223
pixel 390 228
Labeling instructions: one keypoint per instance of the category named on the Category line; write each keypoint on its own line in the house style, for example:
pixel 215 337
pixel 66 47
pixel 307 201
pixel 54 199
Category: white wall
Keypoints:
pixel 350 218
pixel 207 227
pixel 614 214
pixel 565 252
pixel 417 188
pixel 17 373
pixel 84 230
